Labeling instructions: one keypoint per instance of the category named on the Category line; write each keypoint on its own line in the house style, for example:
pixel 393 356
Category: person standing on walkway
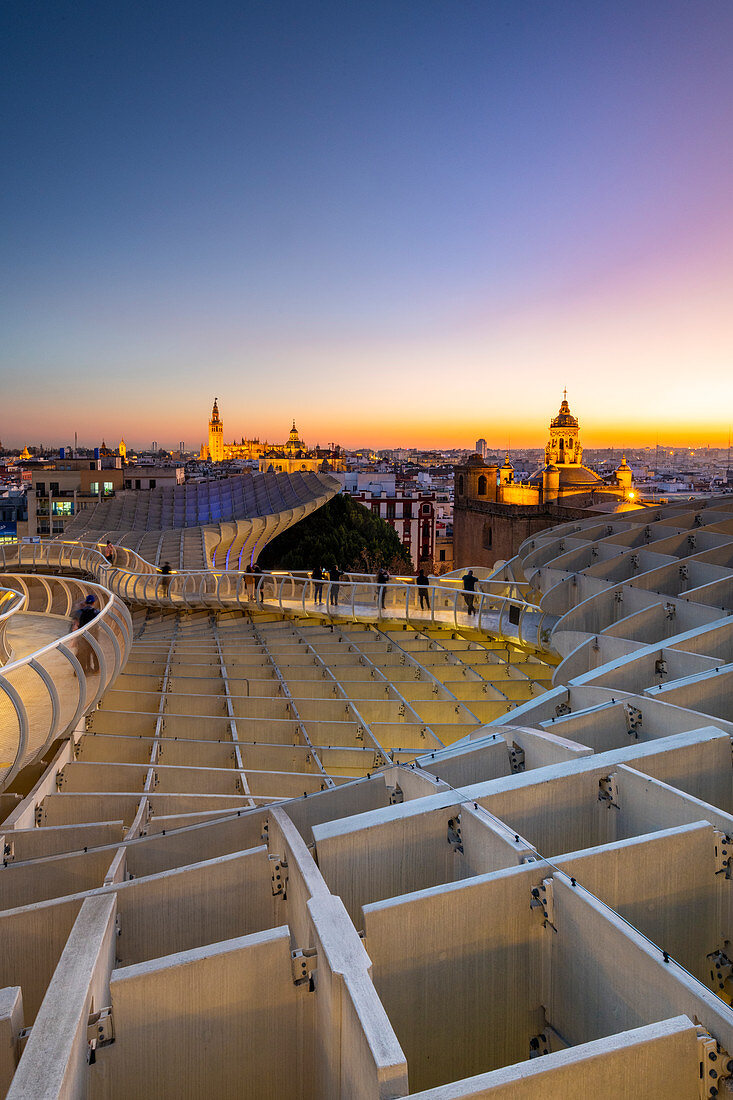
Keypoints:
pixel 256 571
pixel 165 578
pixel 110 553
pixel 83 614
pixel 422 583
pixel 334 575
pixel 317 578
pixel 469 586
pixel 382 578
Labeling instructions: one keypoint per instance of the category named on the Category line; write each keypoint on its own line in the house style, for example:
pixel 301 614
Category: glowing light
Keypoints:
pixel 632 495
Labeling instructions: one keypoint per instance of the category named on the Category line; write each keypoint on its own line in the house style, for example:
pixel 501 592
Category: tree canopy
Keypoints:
pixel 341 534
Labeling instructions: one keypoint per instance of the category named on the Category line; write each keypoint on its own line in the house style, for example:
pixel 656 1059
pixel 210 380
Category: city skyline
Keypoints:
pixel 398 223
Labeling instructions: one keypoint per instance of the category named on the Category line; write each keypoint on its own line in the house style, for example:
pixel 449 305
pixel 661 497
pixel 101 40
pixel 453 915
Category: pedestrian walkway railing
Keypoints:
pixel 495 608
pixel 10 602
pixel 44 693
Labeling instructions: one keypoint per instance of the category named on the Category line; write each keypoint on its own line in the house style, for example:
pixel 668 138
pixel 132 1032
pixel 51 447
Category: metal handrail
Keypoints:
pixel 498 614
pixel 31 688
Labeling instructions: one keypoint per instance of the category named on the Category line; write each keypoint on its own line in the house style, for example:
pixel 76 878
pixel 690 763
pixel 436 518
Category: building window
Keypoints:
pixel 460 484
pixel 407 509
pixel 442 555
pixel 41 488
pixel 488 536
pixel 152 483
pixel 482 486
pixel 54 488
pixel 93 486
pixel 62 508
pixel 426 509
pixel 108 488
pixel 390 509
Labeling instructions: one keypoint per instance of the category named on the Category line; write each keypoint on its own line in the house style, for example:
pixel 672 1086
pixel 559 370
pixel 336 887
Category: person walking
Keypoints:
pixel 334 575
pixel 422 583
pixel 382 579
pixel 110 553
pixel 317 578
pixel 469 586
pixel 84 613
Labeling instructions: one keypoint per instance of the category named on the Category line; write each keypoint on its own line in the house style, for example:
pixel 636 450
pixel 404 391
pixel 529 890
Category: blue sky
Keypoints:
pixel 397 222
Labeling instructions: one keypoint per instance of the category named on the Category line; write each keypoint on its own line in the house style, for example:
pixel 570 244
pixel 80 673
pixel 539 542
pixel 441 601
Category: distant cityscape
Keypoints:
pixel 418 492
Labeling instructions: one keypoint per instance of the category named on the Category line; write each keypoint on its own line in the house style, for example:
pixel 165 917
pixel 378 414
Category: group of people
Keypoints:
pixel 382 578
pixel 319 577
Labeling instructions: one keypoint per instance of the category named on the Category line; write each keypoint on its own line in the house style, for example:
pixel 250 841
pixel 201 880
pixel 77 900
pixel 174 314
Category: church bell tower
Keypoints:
pixel 216 435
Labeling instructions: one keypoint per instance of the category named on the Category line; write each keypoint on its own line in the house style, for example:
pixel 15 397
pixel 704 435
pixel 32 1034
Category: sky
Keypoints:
pixel 401 223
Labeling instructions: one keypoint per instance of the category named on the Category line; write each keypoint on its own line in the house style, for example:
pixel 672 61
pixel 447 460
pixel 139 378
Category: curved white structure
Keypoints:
pixel 301 855
pixel 222 522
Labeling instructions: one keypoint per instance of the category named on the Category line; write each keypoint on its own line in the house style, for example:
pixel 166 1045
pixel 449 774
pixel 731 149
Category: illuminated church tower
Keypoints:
pixel 216 435
pixel 563 448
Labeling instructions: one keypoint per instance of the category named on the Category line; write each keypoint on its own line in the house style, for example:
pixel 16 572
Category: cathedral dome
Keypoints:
pixel 571 477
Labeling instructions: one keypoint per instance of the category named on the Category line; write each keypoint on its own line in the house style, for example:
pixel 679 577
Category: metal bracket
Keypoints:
pixel 379 760
pixel 455 838
pixel 396 796
pixel 715 1065
pixel 59 779
pixel 721 970
pixel 38 814
pixel 608 790
pixel 516 757
pixel 303 964
pixel 279 874
pixel 562 709
pixel 544 899
pixel 100 1032
pixel 547 1042
pixel 722 853
pixel 660 667
pixel 671 610
pixel 633 719
pixel 359 733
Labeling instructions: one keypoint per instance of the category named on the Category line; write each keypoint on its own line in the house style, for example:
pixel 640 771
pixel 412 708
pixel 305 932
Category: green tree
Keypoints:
pixel 343 534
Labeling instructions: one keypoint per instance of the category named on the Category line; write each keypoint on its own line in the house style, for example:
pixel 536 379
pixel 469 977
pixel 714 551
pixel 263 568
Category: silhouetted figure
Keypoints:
pixel 334 575
pixel 422 583
pixel 469 585
pixel 382 578
pixel 110 553
pixel 256 574
pixel 165 577
pixel 84 613
pixel 317 578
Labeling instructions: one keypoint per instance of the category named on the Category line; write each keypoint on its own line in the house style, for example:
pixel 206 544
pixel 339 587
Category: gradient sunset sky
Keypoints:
pixel 398 222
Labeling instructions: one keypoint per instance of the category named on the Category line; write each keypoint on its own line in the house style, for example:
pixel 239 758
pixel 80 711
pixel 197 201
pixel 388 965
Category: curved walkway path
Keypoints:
pixel 497 610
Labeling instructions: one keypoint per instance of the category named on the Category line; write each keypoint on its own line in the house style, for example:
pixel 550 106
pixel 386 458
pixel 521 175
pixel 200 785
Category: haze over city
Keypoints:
pixel 399 223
